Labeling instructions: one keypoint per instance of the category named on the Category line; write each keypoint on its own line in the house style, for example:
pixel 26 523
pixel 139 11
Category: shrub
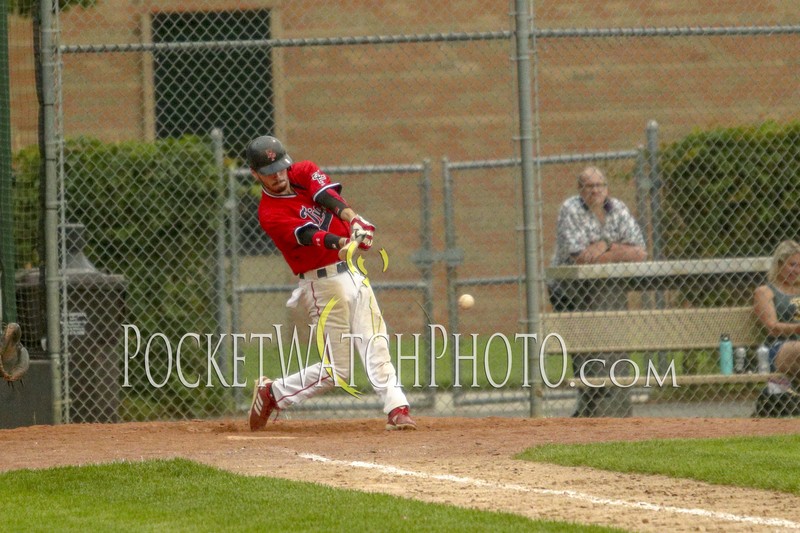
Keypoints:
pixel 151 215
pixel 731 192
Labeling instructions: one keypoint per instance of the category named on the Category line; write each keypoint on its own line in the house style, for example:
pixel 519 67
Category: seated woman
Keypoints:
pixel 777 306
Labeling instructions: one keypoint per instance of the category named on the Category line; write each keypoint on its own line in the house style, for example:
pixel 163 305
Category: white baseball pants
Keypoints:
pixel 355 313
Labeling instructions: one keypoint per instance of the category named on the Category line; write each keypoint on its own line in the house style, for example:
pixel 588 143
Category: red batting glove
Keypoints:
pixel 362 231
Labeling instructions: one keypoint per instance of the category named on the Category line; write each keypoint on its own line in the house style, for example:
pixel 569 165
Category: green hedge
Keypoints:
pixel 731 192
pixel 150 211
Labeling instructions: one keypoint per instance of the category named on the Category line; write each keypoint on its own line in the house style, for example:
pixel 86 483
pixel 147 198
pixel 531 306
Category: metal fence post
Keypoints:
pixel 531 229
pixel 451 261
pixel 427 268
pixel 233 221
pixel 654 175
pixel 220 280
pixel 52 204
pixel 655 188
pixel 642 180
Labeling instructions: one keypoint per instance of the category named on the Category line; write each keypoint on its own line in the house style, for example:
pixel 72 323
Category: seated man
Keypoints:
pixel 595 228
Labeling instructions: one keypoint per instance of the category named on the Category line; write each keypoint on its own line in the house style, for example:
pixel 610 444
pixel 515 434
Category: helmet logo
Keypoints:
pixel 270 155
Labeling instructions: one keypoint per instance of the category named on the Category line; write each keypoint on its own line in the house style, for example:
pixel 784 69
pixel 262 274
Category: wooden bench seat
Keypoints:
pixel 651 330
pixel 655 331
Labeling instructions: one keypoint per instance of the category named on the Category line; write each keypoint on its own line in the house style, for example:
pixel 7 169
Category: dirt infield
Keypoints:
pixel 459 461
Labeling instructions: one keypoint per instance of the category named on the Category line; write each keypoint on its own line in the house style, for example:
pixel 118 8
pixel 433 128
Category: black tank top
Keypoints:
pixel 787 307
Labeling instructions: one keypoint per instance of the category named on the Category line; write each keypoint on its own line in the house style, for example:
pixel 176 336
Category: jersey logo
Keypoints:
pixel 315 214
pixel 319 177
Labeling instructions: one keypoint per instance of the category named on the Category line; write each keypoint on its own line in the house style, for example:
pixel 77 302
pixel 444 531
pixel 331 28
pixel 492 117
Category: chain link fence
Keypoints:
pixel 164 277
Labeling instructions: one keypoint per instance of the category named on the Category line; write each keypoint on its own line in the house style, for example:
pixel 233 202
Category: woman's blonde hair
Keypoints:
pixel 784 251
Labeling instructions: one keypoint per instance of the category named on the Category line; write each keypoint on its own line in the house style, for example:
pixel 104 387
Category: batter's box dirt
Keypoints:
pixel 479 472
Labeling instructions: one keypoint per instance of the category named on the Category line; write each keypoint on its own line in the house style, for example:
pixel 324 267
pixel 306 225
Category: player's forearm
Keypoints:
pixel 313 236
pixel 331 241
pixel 347 214
pixel 331 201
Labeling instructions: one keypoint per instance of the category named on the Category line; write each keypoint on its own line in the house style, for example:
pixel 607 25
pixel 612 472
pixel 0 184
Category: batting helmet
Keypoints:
pixel 266 155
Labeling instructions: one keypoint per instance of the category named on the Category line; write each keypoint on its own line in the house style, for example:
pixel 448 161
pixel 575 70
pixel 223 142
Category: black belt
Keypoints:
pixel 320 273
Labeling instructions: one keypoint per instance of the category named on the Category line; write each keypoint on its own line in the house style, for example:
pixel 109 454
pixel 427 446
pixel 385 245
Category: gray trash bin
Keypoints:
pixel 95 314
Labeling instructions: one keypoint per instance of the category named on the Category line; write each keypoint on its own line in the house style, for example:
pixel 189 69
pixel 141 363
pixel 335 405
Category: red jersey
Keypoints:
pixel 282 217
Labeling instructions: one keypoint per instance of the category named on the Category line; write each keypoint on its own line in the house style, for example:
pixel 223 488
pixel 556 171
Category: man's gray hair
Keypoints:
pixel 588 171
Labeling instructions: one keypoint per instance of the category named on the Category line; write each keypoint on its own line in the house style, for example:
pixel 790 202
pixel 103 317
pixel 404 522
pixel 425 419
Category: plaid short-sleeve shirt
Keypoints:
pixel 578 227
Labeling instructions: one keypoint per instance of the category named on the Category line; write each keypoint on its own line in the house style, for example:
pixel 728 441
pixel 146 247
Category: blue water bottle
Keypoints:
pixel 725 354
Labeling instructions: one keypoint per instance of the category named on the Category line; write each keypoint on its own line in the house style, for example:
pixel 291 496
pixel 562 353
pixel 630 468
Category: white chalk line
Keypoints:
pixel 730 517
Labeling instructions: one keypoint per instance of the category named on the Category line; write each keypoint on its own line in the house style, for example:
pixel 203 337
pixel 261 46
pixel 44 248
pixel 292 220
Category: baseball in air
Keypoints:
pixel 466 301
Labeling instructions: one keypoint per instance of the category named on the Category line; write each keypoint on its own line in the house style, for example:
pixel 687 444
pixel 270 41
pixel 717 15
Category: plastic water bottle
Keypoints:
pixel 762 356
pixel 739 359
pixel 725 354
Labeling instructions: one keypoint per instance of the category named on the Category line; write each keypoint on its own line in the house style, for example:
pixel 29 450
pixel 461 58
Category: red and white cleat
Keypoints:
pixel 263 404
pixel 400 419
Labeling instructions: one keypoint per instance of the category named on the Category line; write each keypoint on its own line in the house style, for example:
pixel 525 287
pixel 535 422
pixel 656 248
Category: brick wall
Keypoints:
pixel 403 103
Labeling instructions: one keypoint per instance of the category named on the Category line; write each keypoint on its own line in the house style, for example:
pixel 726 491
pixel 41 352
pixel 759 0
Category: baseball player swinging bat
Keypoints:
pixel 312 225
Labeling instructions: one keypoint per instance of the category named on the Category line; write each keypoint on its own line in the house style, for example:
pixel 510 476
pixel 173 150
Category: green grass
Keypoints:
pixel 179 495
pixel 757 462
